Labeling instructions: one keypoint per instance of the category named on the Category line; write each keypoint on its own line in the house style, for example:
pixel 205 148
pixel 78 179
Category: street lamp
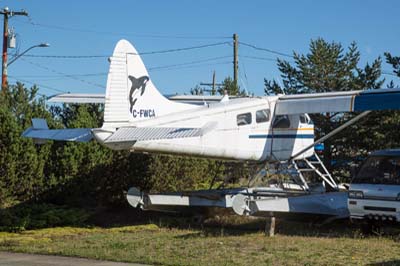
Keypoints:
pixel 27 50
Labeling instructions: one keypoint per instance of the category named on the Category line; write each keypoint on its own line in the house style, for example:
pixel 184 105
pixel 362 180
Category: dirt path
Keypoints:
pixel 19 259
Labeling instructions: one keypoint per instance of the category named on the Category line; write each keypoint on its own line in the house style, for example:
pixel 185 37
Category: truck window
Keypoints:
pixel 379 170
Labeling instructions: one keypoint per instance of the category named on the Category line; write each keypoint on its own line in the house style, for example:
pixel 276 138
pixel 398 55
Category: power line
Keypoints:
pixel 150 68
pixel 139 35
pixel 181 49
pixel 104 73
pixel 35 83
pixel 67 56
pixel 245 75
pixel 190 63
pixel 63 74
pixel 265 49
pixel 195 66
pixel 259 58
pixel 143 53
pixel 389 73
pixel 57 76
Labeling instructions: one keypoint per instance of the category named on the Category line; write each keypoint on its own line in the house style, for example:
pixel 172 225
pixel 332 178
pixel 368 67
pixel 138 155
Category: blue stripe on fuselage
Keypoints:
pixel 282 136
pixel 377 101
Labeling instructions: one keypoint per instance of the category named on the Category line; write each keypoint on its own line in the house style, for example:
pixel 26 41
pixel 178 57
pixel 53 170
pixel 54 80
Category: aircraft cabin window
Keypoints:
pixel 243 119
pixel 281 121
pixel 262 116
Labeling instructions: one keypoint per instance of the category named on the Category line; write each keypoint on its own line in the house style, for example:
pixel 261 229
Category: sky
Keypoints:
pixel 92 28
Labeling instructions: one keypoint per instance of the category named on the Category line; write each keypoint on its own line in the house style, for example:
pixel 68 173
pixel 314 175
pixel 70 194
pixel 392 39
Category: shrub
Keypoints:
pixel 35 216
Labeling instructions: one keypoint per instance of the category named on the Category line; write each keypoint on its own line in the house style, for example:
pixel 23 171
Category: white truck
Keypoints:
pixel 374 193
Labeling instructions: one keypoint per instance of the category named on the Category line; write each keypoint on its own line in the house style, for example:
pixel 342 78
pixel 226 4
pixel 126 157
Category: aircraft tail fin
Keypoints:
pixel 131 95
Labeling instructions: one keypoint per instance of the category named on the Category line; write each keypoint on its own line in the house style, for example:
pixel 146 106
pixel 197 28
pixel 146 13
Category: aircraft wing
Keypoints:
pixel 132 134
pixel 40 132
pixel 347 101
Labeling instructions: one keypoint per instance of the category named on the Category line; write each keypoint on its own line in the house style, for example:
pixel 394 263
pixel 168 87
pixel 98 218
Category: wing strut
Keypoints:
pixel 332 133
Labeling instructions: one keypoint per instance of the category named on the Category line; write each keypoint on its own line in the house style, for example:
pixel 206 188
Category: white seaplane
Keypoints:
pixel 268 129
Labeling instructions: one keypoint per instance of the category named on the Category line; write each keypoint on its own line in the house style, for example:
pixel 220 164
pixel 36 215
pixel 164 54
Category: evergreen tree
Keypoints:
pixel 230 87
pixel 326 67
pixel 197 90
pixel 394 61
pixel 22 163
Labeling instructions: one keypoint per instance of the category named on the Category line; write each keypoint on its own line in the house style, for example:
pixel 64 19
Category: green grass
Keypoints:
pixel 152 244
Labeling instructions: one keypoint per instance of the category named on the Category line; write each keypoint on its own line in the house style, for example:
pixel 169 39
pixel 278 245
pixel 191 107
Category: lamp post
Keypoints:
pixel 27 50
pixel 7 13
pixel 5 64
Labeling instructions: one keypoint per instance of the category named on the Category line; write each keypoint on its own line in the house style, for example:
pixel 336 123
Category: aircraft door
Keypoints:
pixel 306 133
pixel 284 136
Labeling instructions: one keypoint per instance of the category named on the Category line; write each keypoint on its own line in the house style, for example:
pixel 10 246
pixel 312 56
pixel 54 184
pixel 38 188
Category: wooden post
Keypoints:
pixel 6 15
pixel 271 230
pixel 272 226
pixel 235 58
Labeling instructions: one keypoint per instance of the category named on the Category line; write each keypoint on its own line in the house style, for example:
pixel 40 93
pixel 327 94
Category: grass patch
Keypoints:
pixel 152 244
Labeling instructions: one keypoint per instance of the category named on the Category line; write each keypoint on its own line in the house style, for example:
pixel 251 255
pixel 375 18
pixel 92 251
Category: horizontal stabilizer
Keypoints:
pixel 132 134
pixel 77 98
pixel 347 101
pixel 40 131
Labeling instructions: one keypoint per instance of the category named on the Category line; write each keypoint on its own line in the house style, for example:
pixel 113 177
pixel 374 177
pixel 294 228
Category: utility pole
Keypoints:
pixel 213 85
pixel 7 14
pixel 235 58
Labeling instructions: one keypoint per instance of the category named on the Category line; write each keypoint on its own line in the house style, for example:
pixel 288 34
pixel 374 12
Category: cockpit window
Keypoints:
pixel 303 119
pixel 262 116
pixel 243 119
pixel 281 121
pixel 379 170
pixel 308 118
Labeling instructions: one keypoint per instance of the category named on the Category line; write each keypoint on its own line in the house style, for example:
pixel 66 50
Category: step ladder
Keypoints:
pixel 315 165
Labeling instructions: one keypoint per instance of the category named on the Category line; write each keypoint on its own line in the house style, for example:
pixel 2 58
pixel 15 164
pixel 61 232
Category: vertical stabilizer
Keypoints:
pixel 131 95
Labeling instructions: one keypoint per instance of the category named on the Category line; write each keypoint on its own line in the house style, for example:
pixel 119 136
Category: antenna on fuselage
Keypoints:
pixel 225 98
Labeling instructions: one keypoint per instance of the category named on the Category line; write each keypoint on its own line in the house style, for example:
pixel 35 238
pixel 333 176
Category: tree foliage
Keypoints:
pixel 327 67
pixel 230 87
pixel 22 164
pixel 330 67
pixel 82 173
pixel 394 61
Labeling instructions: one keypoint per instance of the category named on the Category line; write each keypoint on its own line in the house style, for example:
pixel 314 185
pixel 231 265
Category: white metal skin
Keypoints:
pixel 132 100
pixel 225 139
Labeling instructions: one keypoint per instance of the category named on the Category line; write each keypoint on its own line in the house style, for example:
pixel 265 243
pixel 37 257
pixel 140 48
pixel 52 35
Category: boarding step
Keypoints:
pixel 306 170
pixel 314 164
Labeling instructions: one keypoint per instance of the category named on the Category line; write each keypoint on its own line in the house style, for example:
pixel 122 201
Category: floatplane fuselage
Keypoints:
pixel 137 117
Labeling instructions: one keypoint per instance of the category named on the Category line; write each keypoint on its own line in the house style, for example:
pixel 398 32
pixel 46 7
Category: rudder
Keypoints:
pixel 130 94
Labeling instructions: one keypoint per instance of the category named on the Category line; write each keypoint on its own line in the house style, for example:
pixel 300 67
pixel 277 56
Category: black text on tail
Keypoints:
pixel 138 84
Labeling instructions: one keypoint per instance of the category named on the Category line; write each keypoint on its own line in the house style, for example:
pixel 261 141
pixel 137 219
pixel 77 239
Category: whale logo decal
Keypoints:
pixel 137 89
